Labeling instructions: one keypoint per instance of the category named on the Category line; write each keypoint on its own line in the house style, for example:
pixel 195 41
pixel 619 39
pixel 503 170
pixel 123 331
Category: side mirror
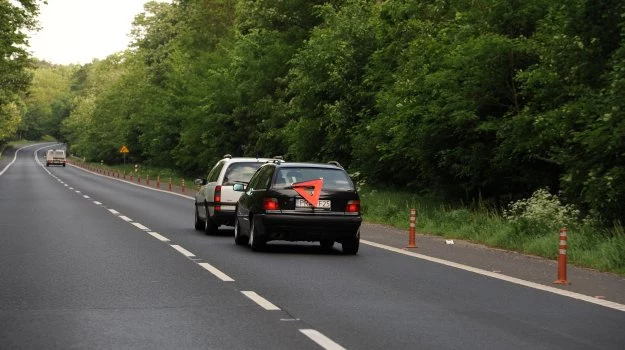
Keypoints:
pixel 200 182
pixel 238 187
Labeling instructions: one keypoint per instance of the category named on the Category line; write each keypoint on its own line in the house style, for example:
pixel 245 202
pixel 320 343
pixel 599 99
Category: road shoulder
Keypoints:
pixel 585 281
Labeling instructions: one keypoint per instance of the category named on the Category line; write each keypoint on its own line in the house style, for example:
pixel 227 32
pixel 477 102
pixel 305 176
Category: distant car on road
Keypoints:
pixel 215 201
pixel 299 202
pixel 55 157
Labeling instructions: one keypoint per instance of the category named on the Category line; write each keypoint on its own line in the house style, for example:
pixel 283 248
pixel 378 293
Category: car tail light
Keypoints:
pixel 271 204
pixel 353 206
pixel 217 197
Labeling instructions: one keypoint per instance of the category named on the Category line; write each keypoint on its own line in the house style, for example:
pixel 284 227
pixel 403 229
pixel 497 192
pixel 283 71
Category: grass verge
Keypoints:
pixel 588 246
pixel 144 172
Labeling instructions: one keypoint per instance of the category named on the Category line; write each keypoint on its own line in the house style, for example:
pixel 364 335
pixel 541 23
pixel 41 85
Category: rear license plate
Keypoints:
pixel 302 203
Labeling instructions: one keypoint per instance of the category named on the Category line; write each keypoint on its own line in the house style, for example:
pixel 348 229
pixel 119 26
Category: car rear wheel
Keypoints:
pixel 256 243
pixel 238 238
pixel 351 245
pixel 199 223
pixel 326 243
pixel 210 228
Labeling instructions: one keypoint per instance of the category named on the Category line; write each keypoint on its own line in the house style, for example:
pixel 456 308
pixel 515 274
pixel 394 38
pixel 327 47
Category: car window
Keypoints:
pixel 240 172
pixel 262 178
pixel 333 179
pixel 214 173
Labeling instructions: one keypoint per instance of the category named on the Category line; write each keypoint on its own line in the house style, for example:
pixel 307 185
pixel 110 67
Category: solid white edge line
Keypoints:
pixel 222 276
pixel 566 293
pixel 321 339
pixel 529 284
pixel 114 212
pixel 15 157
pixel 264 303
pixel 125 218
pixel 140 227
pixel 134 184
pixel 158 236
pixel 182 251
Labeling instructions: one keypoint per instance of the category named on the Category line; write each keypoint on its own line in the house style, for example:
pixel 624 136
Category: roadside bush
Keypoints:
pixel 541 213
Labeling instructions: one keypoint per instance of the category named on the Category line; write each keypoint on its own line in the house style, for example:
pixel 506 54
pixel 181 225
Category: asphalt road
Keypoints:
pixel 91 262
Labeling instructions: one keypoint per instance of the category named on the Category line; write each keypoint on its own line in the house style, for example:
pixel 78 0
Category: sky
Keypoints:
pixel 77 31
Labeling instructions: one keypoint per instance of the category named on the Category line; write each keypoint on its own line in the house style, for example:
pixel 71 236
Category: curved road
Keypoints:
pixel 91 262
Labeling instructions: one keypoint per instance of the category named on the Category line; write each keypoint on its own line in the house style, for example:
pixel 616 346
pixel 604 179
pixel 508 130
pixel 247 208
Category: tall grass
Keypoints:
pixel 588 245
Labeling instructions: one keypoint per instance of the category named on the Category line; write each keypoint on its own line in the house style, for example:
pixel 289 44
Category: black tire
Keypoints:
pixel 63 165
pixel 47 164
pixel 239 239
pixel 199 223
pixel 326 243
pixel 351 245
pixel 210 228
pixel 255 242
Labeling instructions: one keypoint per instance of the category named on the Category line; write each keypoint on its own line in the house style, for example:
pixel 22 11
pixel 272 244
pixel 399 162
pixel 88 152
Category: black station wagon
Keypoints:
pixel 299 202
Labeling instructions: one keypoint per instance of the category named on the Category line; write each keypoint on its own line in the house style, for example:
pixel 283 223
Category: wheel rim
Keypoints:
pixel 236 228
pixel 252 229
pixel 206 223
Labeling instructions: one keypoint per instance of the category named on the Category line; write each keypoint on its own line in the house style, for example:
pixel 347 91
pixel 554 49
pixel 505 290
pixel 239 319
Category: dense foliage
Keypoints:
pixel 465 99
pixel 16 18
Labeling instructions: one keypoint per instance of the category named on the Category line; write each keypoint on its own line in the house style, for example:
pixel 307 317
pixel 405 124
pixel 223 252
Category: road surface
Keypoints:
pixel 91 262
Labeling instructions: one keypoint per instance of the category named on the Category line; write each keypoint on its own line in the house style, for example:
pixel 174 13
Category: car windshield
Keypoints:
pixel 333 179
pixel 240 172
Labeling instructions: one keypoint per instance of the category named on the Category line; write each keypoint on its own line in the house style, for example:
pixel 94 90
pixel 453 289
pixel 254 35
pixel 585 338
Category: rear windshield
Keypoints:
pixel 333 179
pixel 59 154
pixel 240 172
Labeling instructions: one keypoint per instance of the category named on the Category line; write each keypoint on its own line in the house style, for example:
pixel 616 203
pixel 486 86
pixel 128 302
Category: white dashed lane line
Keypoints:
pixel 312 334
pixel 321 339
pixel 182 251
pixel 222 276
pixel 140 227
pixel 158 236
pixel 264 303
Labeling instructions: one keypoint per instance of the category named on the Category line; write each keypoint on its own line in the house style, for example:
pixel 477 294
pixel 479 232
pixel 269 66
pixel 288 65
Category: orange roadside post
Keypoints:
pixel 562 258
pixel 412 232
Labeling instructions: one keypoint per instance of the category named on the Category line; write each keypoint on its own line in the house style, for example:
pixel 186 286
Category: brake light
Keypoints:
pixel 271 204
pixel 217 198
pixel 353 206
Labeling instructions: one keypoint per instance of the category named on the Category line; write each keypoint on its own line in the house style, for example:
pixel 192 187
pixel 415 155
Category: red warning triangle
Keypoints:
pixel 300 187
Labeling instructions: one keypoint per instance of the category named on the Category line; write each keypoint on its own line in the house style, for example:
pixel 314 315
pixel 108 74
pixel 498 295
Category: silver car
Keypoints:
pixel 215 201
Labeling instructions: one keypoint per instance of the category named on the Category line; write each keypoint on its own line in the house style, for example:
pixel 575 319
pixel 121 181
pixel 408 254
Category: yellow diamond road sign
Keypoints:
pixel 124 149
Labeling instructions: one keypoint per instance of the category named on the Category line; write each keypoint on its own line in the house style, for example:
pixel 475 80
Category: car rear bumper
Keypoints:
pixel 297 227
pixel 224 216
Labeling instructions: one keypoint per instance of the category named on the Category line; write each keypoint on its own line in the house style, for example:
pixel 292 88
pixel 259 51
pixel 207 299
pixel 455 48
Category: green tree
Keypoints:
pixel 16 17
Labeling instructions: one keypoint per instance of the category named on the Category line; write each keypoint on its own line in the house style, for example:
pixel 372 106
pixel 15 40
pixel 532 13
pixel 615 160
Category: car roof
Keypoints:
pixel 246 159
pixel 309 165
